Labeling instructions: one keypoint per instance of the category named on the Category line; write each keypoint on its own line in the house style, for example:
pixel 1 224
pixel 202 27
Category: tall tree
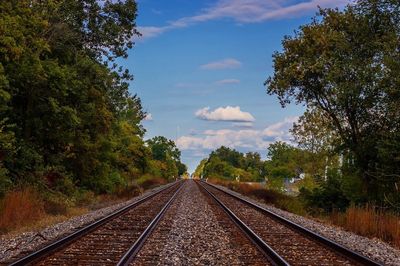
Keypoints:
pixel 346 64
pixel 65 106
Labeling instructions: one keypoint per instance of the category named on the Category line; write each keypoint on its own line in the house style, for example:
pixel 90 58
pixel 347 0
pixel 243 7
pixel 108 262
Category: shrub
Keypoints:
pixel 256 191
pixel 65 185
pixel 293 205
pixel 5 181
pixel 85 197
pixel 326 198
pixel 55 207
pixel 129 191
pixel 153 182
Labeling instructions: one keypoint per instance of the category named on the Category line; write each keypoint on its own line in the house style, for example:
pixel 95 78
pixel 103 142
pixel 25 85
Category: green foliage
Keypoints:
pixel 198 172
pixel 328 197
pixel 286 162
pixel 162 149
pixel 226 163
pixel 68 121
pixel 166 161
pixel 345 67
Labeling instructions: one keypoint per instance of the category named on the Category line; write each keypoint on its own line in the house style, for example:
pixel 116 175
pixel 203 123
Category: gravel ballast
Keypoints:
pixel 374 249
pixel 15 246
pixel 196 231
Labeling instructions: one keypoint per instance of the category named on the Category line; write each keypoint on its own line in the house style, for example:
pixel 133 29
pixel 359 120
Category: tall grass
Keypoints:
pixel 370 221
pixel 19 208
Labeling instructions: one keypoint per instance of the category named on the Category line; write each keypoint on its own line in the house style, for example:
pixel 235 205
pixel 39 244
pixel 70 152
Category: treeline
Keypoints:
pixel 284 162
pixel 68 121
pixel 345 68
pixel 226 163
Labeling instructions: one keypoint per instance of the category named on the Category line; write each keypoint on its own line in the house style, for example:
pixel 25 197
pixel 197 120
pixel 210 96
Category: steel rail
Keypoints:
pixel 352 255
pixel 59 244
pixel 135 248
pixel 271 255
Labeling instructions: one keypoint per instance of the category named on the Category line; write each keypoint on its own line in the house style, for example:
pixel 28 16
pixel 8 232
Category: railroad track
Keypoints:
pixel 118 238
pixel 196 231
pixel 282 241
pixel 113 240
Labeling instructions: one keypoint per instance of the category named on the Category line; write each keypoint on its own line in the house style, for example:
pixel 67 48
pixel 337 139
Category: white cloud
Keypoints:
pixel 213 139
pixel 227 63
pixel 243 124
pixel 250 139
pixel 150 31
pixel 227 81
pixel 246 11
pixel 228 113
pixel 148 117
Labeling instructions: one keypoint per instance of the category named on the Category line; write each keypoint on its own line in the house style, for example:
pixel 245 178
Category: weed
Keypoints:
pixel 19 208
pixel 370 221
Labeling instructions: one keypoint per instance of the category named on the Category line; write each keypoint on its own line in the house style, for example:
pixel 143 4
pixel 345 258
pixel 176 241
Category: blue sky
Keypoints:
pixel 200 66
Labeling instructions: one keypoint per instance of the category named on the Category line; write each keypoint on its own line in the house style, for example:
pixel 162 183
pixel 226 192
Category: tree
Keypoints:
pixel 313 133
pixel 168 156
pixel 199 171
pixel 283 161
pixel 182 168
pixel 66 112
pixel 228 155
pixel 346 65
pixel 163 148
pixel 226 163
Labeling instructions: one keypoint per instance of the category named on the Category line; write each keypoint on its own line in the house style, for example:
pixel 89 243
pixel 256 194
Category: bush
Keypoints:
pixel 326 198
pixel 5 181
pixel 85 197
pixel 129 191
pixel 56 205
pixel 292 204
pixel 153 182
pixel 256 191
pixel 65 185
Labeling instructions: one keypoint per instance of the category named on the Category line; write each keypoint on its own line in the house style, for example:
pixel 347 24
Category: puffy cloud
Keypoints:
pixel 227 81
pixel 228 113
pixel 148 117
pixel 250 139
pixel 246 11
pixel 227 63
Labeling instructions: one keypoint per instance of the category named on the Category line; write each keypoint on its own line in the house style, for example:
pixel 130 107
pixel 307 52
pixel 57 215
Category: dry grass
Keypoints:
pixel 370 222
pixel 25 210
pixel 19 208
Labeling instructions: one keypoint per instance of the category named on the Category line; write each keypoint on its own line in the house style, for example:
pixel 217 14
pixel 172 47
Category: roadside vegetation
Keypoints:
pixel 70 130
pixel 344 160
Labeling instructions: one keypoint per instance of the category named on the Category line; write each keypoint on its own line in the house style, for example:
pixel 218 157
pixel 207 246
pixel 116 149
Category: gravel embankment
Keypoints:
pixel 373 248
pixel 195 231
pixel 13 245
